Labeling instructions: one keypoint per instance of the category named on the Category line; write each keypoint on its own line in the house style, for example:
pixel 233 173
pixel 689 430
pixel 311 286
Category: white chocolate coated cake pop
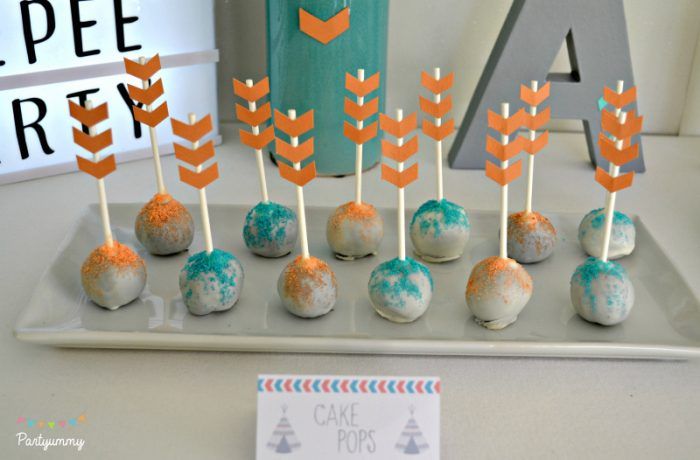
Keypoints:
pixel 307 287
pixel 354 230
pixel 439 231
pixel 602 292
pixel 401 290
pixel 113 276
pixel 211 282
pixel 531 237
pixel 591 232
pixel 164 226
pixel 270 229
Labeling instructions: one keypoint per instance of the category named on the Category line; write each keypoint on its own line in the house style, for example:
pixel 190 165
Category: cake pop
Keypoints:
pixel 602 292
pixel 622 238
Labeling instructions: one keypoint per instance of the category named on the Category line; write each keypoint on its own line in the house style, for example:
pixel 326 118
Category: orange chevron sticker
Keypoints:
pixel 400 179
pixel 534 98
pixel 361 112
pixel 93 144
pixel 253 93
pixel 145 71
pixel 360 136
pixel 396 128
pixel 256 117
pixel 613 184
pixel 296 127
pixel 324 31
pixel 199 179
pixel 257 141
pixel 611 124
pixel 506 126
pixel 88 117
pixel 436 109
pixel 149 95
pixel 504 176
pixel 152 118
pixel 612 154
pixel 537 121
pixel 438 132
pixel 194 157
pixel 437 86
pixel 295 154
pixel 193 132
pixel 532 147
pixel 300 177
pixel 361 88
pixel 619 100
pixel 400 153
pixel 504 152
pixel 97 169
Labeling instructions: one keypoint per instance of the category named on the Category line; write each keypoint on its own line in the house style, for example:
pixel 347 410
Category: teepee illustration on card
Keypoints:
pixel 283 440
pixel 411 440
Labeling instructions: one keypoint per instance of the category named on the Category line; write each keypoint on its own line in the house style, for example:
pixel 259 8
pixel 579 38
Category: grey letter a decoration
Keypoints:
pixel 596 37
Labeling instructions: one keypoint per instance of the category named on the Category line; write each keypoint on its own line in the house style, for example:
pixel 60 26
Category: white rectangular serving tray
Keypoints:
pixel 664 324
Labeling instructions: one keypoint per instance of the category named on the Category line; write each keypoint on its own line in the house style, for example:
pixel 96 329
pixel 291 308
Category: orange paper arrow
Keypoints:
pixel 503 176
pixel 199 179
pixel 619 100
pixel 400 179
pixel 295 154
pixel 254 118
pixel 194 157
pixel 193 132
pixel 296 127
pixel 93 144
pixel 361 88
pixel 612 154
pixel 438 132
pixel 396 128
pixel 613 184
pixel 88 117
pixel 400 153
pixel 360 136
pixel 537 121
pixel 149 95
pixel 152 118
pixel 257 141
pixel 437 86
pixel 301 177
pixel 324 31
pixel 532 147
pixel 253 93
pixel 504 152
pixel 611 124
pixel 98 169
pixel 506 126
pixel 142 71
pixel 361 112
pixel 436 109
pixel 534 98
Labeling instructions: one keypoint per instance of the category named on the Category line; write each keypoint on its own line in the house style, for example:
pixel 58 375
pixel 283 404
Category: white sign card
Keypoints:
pixel 348 417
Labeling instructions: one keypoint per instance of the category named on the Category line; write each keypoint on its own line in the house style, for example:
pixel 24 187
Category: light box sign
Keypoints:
pixel 61 50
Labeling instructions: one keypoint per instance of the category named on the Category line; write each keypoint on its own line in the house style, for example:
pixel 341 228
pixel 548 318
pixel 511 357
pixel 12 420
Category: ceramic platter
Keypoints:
pixel 664 324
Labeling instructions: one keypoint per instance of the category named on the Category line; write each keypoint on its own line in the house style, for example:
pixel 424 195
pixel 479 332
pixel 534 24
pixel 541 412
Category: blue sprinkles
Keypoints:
pixel 270 223
pixel 214 266
pixel 452 215
pixel 619 218
pixel 592 269
pixel 399 271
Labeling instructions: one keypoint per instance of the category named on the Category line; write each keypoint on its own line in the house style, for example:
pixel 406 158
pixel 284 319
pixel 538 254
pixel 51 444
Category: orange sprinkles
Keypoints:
pixel 161 209
pixel 104 257
pixel 304 275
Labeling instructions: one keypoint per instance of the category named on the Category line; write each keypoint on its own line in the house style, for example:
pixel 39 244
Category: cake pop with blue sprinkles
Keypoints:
pixel 211 282
pixel 270 229
pixel 622 238
pixel 439 231
pixel 401 290
pixel 601 292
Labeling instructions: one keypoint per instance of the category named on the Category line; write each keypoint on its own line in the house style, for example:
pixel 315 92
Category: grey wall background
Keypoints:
pixel 458 35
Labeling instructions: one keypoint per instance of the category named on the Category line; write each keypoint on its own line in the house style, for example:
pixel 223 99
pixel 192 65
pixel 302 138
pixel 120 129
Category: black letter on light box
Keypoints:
pixel 533 32
pixel 120 21
pixel 20 127
pixel 130 105
pixel 78 26
pixel 29 40
pixel 82 97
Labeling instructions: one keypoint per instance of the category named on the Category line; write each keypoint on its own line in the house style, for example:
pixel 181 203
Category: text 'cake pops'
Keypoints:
pixel 112 275
pixel 163 226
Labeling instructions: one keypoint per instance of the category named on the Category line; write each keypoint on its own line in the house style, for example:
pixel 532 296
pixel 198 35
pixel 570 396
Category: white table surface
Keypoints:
pixel 158 404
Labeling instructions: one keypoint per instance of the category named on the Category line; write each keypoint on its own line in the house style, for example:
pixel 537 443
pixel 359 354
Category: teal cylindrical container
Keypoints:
pixel 307 74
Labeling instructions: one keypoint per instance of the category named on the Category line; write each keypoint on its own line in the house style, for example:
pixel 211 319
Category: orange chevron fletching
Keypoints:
pixel 503 176
pixel 97 169
pixel 437 86
pixel 438 132
pixel 300 177
pixel 532 147
pixel 253 93
pixel 611 124
pixel 152 118
pixel 504 152
pixel 612 154
pixel 296 127
pixel 93 144
pixel 400 179
pixel 142 71
pixel 254 118
pixel 506 126
pixel 194 157
pixel 257 141
pixel 295 154
pixel 193 132
pixel 620 100
pixel 396 128
pixel 534 98
pixel 360 136
pixel 149 95
pixel 613 184
pixel 436 109
pixel 537 121
pixel 400 153
pixel 199 179
pixel 324 31
pixel 361 112
pixel 361 88
pixel 88 117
